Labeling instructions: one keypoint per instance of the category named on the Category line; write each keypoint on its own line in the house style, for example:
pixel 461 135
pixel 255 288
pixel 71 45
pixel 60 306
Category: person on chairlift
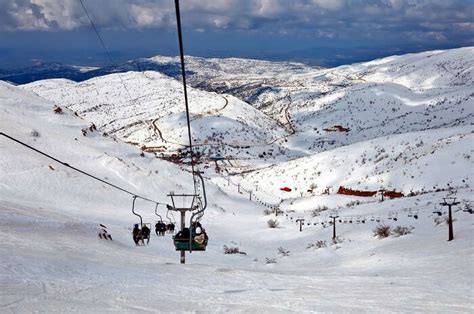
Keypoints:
pixel 145 232
pixel 135 234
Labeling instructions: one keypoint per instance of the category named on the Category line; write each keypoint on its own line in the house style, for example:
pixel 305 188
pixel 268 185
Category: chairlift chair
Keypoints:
pixel 142 235
pixel 188 239
pixel 160 226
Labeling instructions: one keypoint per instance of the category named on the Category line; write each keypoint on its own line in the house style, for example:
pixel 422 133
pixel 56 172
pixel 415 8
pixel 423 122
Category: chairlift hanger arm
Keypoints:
pixel 133 211
pixel 156 212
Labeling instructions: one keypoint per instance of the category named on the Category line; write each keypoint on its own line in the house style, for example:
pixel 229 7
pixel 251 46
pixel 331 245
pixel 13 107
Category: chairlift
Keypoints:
pixel 142 233
pixel 171 224
pixel 190 238
pixel 160 226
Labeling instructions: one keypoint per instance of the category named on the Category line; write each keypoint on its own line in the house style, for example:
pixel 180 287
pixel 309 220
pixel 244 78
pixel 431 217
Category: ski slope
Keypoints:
pixel 51 259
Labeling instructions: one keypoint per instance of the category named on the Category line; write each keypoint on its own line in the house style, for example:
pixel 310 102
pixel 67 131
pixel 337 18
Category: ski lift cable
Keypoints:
pixel 107 52
pixel 183 73
pixel 79 170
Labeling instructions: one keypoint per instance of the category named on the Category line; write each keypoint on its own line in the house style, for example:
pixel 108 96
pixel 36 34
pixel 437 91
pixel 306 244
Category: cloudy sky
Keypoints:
pixel 327 32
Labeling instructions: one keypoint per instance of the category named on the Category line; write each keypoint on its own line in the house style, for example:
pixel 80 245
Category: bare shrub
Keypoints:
pixel 58 110
pixel 441 221
pixel 399 231
pixel 35 133
pixel 273 223
pixel 267 211
pixel 382 231
pixel 270 260
pixel 317 245
pixel 232 250
pixel 352 203
pixel 283 251
pixel 316 212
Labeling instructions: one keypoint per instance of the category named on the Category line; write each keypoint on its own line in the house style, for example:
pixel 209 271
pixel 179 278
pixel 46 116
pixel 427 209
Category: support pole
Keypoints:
pixel 382 192
pixel 300 220
pixel 183 253
pixel 334 225
pixel 450 224
pixel 450 201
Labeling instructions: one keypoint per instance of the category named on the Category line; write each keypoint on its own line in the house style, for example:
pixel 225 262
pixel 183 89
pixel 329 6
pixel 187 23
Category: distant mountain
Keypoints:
pixel 166 65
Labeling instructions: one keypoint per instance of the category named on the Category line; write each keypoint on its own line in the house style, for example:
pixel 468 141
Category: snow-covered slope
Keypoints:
pixel 137 107
pixel 51 259
pixel 410 162
pixel 31 118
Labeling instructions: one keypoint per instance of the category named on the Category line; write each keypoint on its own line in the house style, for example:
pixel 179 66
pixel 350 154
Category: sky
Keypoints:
pixel 322 32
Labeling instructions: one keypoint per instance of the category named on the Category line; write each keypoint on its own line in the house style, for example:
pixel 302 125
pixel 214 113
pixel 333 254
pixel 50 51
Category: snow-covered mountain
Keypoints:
pixel 147 109
pixel 393 95
pixel 402 123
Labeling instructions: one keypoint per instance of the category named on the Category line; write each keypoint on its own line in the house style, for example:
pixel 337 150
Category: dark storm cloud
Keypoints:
pixel 419 19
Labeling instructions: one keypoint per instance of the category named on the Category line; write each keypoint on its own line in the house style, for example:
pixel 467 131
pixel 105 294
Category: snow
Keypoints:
pixel 51 259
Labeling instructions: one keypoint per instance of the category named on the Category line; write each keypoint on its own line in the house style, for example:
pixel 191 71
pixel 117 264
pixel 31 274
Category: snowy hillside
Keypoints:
pixel 404 124
pixel 418 161
pixel 391 95
pixel 149 111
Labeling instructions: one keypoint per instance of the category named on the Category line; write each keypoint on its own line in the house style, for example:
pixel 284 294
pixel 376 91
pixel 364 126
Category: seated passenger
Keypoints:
pixel 136 234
